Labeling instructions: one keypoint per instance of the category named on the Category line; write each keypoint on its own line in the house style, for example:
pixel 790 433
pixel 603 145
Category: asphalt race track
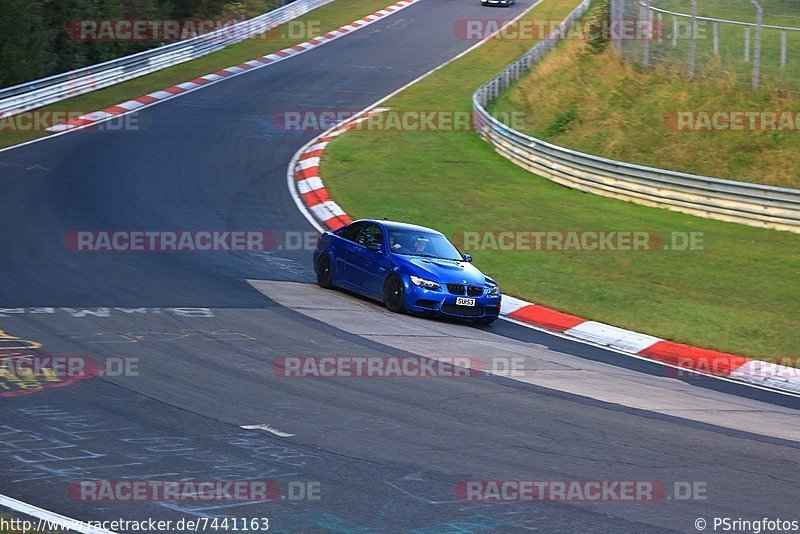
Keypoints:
pixel 386 455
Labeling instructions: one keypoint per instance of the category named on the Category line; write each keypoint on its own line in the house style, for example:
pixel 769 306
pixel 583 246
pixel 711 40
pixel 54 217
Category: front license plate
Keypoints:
pixel 461 301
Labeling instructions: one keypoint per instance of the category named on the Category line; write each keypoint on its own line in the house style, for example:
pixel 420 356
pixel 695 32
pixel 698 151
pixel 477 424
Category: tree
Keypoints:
pixel 35 40
pixel 24 42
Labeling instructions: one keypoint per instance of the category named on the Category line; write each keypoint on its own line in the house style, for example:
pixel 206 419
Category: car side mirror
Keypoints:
pixel 375 247
pixel 467 258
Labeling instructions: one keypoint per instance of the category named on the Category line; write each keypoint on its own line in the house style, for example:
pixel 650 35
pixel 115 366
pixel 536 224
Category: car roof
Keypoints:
pixel 394 225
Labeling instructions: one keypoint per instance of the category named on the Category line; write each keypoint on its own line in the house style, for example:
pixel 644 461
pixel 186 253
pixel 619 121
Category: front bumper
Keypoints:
pixel 426 301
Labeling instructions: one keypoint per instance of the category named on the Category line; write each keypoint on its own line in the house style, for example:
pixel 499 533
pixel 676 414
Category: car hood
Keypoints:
pixel 445 271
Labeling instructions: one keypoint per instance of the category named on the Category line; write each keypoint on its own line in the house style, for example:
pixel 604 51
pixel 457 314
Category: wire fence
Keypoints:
pixel 749 42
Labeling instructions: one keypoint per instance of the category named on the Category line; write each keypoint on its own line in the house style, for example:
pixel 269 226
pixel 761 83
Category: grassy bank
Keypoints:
pixel 630 115
pixel 317 22
pixel 730 62
pixel 741 293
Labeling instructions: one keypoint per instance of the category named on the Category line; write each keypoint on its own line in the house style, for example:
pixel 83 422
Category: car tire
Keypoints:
pixel 394 294
pixel 324 272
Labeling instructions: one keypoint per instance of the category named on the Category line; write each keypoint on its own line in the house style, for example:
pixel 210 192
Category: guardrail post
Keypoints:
pixel 716 38
pixel 616 14
pixel 660 28
pixel 647 16
pixel 747 44
pixel 674 31
pixel 783 50
pixel 693 40
pixel 757 50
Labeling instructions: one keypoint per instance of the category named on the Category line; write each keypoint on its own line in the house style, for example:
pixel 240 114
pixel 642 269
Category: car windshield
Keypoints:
pixel 426 244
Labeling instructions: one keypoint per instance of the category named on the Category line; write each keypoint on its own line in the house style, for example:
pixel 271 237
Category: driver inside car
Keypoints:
pixel 394 243
pixel 402 244
pixel 420 244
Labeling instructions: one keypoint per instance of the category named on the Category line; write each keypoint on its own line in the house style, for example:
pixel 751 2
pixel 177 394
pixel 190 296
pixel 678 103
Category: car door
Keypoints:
pixel 366 268
pixel 344 245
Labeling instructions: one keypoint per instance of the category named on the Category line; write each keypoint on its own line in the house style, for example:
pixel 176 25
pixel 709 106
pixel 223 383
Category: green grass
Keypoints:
pixel 323 20
pixel 730 63
pixel 741 294
pixel 624 113
pixel 776 12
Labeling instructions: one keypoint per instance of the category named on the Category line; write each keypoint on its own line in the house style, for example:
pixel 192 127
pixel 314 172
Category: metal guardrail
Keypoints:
pixel 38 93
pixel 713 198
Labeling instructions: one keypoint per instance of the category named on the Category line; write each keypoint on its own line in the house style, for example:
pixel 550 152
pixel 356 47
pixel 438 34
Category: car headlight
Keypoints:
pixel 422 282
pixel 493 291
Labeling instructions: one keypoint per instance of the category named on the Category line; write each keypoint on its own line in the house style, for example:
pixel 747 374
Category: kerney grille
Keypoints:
pixel 457 289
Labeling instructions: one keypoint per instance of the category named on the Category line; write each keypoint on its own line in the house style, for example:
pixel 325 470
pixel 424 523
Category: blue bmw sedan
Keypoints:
pixel 407 267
